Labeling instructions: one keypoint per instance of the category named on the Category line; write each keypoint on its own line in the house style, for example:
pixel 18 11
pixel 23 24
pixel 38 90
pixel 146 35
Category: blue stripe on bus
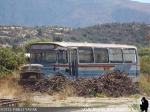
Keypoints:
pixel 129 69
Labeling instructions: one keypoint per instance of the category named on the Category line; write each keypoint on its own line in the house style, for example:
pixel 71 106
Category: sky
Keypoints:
pixel 143 1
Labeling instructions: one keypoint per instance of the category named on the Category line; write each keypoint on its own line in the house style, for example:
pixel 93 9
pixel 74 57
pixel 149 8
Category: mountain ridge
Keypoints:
pixel 72 13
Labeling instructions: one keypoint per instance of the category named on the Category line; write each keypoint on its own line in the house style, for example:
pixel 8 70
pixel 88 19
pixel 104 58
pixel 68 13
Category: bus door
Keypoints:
pixel 73 62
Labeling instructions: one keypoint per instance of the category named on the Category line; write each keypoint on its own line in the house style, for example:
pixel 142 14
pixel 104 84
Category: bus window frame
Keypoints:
pixel 44 55
pixel 136 56
pixel 33 54
pixel 79 56
pixel 93 54
pixel 56 60
pixel 116 62
pixel 107 54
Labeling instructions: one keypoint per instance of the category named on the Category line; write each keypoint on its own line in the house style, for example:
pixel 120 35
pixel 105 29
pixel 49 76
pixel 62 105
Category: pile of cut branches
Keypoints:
pixel 114 84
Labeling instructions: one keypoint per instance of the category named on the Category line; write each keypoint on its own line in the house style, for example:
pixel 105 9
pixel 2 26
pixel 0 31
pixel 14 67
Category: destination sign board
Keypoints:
pixel 42 47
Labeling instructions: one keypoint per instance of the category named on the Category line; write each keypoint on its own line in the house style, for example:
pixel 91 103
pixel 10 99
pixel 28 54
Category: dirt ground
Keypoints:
pixel 10 89
pixel 81 104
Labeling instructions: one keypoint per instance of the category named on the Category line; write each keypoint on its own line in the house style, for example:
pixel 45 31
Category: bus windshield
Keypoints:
pixel 44 56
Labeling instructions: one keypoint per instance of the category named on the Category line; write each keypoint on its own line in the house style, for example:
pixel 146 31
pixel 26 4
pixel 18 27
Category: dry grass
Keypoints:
pixel 69 90
pixel 9 87
pixel 145 84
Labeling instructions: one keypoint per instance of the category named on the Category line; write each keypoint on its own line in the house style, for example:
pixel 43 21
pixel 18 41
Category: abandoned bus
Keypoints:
pixel 85 59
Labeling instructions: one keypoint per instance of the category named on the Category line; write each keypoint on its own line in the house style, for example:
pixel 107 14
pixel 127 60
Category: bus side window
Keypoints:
pixel 86 55
pixel 115 55
pixel 62 57
pixel 129 55
pixel 101 55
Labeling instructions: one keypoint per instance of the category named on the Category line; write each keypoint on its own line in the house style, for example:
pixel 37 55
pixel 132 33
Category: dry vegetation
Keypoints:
pixel 61 88
pixel 9 87
pixel 113 85
pixel 145 84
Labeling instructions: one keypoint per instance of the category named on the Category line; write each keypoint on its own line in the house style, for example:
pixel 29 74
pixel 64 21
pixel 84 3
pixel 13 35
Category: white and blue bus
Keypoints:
pixel 85 59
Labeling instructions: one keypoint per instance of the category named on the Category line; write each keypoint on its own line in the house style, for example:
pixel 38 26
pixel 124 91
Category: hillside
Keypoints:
pixel 73 13
pixel 18 35
pixel 126 33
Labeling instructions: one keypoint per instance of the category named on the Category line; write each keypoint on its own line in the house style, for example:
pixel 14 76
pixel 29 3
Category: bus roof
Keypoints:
pixel 85 44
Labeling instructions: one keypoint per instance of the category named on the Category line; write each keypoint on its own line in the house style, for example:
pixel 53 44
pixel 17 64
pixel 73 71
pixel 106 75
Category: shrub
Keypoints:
pixel 145 64
pixel 144 52
pixel 10 60
pixel 144 84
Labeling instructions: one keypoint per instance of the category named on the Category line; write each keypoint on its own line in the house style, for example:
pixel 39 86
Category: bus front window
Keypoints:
pixel 44 57
pixel 36 57
pixel 50 56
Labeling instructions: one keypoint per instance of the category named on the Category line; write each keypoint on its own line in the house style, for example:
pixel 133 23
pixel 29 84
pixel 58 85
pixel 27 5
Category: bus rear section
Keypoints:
pixel 98 61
